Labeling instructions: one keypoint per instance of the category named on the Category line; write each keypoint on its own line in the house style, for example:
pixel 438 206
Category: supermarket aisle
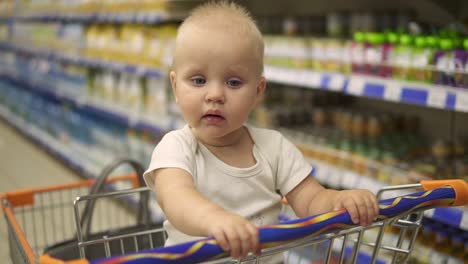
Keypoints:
pixel 24 165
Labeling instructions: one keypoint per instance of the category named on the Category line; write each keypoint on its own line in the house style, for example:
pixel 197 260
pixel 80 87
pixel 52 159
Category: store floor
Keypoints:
pixel 25 165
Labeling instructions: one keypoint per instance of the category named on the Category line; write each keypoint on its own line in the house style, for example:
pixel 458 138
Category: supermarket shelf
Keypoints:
pixel 86 62
pixel 436 96
pixel 48 143
pixel 341 178
pixel 70 154
pixel 108 111
pixel 149 18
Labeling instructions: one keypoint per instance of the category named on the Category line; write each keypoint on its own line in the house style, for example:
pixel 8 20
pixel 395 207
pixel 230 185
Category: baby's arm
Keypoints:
pixel 193 214
pixel 309 198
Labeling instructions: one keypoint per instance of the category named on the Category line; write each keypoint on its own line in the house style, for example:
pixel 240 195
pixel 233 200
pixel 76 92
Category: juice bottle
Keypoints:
pixel 460 63
pixel 357 53
pixel 388 54
pixel 432 43
pixel 465 255
pixel 425 241
pixel 457 249
pixel 421 59
pixel 373 53
pixel 464 79
pixel 403 57
pixel 441 246
pixel 442 62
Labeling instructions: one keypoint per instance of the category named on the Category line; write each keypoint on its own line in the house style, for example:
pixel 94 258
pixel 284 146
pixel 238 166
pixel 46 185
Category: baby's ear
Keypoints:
pixel 261 87
pixel 172 77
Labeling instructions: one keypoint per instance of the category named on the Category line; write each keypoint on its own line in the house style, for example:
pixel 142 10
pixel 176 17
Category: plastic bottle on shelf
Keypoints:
pixel 441 152
pixel 357 51
pixel 402 57
pixel 373 53
pixel 441 246
pixel 460 63
pixel 389 46
pixel 421 59
pixel 464 81
pixel 457 249
pixel 443 63
pixel 425 241
pixel 432 43
pixel 465 251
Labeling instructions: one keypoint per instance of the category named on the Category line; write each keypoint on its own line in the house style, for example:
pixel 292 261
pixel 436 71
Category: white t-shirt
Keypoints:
pixel 250 192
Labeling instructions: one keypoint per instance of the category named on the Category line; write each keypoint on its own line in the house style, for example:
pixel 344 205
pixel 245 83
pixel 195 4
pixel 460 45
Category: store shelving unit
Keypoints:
pixel 111 112
pixel 437 96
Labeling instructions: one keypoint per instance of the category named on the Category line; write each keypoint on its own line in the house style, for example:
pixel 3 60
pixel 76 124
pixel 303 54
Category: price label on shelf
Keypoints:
pixel 302 77
pixel 313 79
pixel 437 97
pixel 334 177
pixel 350 180
pixel 281 75
pixel 356 85
pixel 392 91
pixel 269 72
pixel 429 213
pixel 464 220
pixel 321 172
pixel 462 101
pixel 336 82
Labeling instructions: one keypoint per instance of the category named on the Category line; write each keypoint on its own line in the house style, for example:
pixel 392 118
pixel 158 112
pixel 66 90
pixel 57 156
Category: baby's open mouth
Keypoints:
pixel 213 116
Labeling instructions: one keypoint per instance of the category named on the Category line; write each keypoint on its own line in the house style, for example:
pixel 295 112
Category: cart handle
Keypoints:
pixel 460 187
pixel 311 226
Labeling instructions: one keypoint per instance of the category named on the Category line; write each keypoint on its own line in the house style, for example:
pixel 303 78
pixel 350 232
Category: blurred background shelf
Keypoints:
pixel 437 96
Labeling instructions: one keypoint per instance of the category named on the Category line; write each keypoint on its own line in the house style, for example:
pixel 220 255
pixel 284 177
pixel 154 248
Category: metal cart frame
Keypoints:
pixel 342 246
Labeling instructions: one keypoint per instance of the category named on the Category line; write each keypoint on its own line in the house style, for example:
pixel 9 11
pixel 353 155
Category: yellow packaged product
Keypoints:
pixel 112 6
pixel 135 94
pixel 318 54
pixel 345 61
pixel 6 8
pixel 134 43
pixel 110 43
pixel 333 55
pixel 152 6
pixel 152 48
pixel 155 96
pixel 168 34
pixel 88 6
pixel 109 87
pixel 298 52
pixel 91 34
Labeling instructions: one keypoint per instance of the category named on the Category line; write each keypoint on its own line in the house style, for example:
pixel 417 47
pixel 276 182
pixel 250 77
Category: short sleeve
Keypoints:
pixel 293 168
pixel 173 151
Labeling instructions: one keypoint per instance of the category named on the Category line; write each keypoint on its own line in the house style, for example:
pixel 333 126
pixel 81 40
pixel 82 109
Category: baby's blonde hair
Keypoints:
pixel 229 16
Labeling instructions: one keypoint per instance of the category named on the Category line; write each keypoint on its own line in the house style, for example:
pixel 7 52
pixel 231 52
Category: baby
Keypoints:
pixel 218 176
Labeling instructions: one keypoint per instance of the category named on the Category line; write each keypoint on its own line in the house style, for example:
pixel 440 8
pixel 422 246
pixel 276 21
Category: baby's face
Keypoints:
pixel 216 80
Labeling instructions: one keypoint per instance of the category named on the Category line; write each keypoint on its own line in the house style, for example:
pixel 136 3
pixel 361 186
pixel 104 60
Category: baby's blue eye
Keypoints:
pixel 198 81
pixel 234 83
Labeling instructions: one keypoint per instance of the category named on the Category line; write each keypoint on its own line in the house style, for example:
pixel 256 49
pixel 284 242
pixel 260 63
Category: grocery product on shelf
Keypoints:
pixel 444 61
pixel 357 51
pixel 385 146
pixel 421 62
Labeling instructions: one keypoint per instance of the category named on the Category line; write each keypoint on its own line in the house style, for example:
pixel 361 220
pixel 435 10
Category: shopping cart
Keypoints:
pixel 332 234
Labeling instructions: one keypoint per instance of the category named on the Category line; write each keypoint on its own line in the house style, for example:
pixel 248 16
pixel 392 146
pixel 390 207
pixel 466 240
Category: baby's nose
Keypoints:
pixel 215 93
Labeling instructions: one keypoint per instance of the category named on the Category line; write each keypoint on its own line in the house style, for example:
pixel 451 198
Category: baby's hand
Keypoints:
pixel 233 233
pixel 362 205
